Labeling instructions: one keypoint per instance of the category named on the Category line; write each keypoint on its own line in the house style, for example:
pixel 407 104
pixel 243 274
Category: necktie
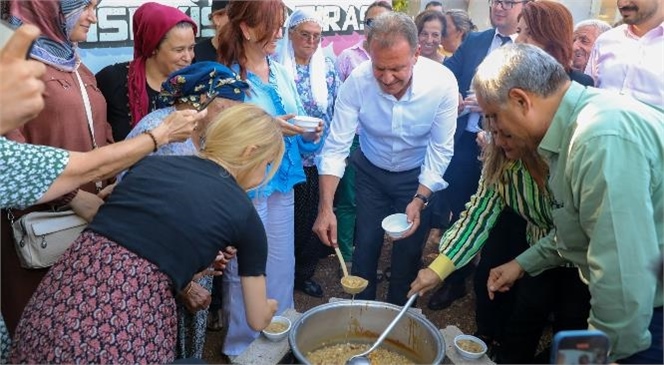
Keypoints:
pixel 474 118
pixel 504 39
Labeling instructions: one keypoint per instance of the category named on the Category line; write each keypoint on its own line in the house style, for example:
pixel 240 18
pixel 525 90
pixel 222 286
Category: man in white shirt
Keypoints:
pixel 629 59
pixel 408 123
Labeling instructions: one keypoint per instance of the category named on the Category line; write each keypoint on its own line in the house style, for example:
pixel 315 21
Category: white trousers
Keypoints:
pixel 277 214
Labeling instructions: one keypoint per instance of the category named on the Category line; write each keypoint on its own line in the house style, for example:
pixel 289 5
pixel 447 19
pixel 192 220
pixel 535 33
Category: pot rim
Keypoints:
pixel 438 337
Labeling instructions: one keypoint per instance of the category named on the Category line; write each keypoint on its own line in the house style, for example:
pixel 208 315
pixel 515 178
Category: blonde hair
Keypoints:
pixel 237 128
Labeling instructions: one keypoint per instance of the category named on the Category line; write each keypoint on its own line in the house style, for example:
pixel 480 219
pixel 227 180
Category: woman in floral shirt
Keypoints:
pixel 31 174
pixel 317 82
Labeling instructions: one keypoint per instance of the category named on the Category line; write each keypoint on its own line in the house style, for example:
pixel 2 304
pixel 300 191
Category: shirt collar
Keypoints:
pixel 553 140
pixel 658 30
pixel 512 36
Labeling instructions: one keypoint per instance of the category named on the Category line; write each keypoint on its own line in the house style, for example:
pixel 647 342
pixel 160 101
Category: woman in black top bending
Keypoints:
pixel 111 296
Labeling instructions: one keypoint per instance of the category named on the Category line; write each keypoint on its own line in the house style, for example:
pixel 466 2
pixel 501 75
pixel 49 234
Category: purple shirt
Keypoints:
pixel 350 58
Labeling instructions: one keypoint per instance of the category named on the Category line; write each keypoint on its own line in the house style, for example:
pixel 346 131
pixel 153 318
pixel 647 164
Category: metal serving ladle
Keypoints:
pixel 352 290
pixel 362 359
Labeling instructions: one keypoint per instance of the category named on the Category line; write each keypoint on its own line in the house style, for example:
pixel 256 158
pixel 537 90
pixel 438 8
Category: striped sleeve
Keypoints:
pixel 465 238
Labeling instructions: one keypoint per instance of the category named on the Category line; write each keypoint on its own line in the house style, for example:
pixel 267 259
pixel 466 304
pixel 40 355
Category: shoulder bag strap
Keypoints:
pixel 88 113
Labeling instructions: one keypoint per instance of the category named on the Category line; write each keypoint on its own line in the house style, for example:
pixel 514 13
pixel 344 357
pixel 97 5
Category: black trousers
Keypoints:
pixel 463 175
pixel 506 240
pixel 379 194
pixel 307 245
pixel 517 318
pixel 558 292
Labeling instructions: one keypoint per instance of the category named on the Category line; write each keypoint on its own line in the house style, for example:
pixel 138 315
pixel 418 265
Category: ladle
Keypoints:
pixel 352 290
pixel 362 359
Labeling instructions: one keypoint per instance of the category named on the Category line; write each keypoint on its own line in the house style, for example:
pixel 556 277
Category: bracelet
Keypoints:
pixel 156 145
pixel 188 289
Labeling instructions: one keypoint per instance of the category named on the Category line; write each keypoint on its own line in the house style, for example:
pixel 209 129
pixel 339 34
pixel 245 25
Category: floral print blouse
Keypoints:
pixel 303 84
pixel 27 171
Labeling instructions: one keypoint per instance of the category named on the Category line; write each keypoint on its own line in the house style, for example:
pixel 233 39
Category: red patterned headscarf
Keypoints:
pixel 151 22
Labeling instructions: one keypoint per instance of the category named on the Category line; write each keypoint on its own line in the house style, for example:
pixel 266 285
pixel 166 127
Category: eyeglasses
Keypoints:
pixel 506 5
pixel 309 36
pixel 368 22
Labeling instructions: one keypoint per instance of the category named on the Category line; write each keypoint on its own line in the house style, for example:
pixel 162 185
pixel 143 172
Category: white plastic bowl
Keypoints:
pixel 278 336
pixel 309 124
pixel 468 354
pixel 396 225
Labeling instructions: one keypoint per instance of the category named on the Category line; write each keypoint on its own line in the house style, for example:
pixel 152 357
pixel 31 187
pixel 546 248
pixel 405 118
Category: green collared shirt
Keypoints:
pixel 606 159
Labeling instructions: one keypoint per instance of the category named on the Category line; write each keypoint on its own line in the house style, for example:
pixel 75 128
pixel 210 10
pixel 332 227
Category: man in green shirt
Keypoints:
pixel 606 171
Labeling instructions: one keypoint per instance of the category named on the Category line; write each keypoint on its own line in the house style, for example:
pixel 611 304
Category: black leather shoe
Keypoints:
pixel 445 296
pixel 309 287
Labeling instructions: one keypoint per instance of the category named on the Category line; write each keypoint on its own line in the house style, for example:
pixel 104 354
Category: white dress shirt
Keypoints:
pixel 628 64
pixel 397 135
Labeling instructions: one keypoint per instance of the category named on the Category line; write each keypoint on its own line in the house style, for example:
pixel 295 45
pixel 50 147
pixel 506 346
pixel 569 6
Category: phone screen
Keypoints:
pixel 580 347
pixel 6 32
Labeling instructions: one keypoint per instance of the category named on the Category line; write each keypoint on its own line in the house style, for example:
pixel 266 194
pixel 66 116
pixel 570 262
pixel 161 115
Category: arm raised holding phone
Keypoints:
pixel 21 86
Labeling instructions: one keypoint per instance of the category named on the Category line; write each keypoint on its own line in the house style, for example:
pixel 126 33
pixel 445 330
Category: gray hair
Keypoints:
pixel 521 66
pixel 388 27
pixel 461 21
pixel 600 25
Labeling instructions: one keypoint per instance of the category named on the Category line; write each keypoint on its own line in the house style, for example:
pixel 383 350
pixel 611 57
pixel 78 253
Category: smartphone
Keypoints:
pixel 6 32
pixel 580 347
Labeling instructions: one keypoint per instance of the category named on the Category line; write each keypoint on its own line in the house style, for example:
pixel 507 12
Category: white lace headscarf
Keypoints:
pixel 317 62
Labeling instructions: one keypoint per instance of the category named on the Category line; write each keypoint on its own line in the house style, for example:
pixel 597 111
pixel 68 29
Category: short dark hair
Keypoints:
pixel 432 4
pixel 429 15
pixel 380 3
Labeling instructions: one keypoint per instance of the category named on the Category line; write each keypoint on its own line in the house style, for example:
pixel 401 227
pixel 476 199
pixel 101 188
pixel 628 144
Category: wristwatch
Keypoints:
pixel 423 198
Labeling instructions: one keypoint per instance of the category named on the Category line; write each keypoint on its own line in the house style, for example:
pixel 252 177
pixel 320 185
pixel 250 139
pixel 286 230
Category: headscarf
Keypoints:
pixel 286 56
pixel 56 21
pixel 151 22
pixel 207 77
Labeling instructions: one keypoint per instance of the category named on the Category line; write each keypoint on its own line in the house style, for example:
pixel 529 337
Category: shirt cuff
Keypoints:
pixel 432 181
pixel 533 262
pixel 330 166
pixel 442 266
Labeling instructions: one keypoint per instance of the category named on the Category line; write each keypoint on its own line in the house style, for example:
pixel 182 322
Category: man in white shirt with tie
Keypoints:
pixel 406 106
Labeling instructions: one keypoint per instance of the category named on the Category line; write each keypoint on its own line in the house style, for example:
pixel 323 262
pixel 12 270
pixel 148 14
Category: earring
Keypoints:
pixel 248 38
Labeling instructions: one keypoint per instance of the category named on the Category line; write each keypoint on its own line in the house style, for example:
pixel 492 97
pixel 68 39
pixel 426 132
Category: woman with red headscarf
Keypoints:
pixel 164 40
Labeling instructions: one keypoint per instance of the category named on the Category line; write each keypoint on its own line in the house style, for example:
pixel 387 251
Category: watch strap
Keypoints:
pixel 423 198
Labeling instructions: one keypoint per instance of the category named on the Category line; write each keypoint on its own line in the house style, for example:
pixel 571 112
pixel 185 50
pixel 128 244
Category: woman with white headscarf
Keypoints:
pixel 317 82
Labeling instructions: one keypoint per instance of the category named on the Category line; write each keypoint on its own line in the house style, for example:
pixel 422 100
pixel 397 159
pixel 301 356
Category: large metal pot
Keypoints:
pixel 362 321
